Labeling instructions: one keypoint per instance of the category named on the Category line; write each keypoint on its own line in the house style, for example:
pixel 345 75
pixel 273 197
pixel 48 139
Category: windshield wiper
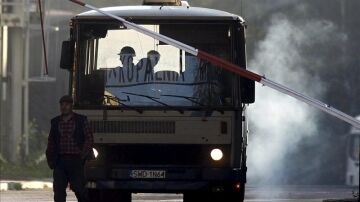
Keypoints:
pixel 120 102
pixel 154 99
pixel 149 97
pixel 191 99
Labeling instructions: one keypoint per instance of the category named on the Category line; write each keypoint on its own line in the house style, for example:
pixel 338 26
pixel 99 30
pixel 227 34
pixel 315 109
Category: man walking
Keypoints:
pixel 70 143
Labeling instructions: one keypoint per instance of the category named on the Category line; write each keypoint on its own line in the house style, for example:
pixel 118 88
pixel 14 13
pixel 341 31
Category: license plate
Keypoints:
pixel 148 174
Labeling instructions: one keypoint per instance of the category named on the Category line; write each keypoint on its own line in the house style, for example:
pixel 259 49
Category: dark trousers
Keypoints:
pixel 69 169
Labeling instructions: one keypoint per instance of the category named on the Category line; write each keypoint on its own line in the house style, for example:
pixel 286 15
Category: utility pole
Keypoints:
pixel 3 82
pixel 13 84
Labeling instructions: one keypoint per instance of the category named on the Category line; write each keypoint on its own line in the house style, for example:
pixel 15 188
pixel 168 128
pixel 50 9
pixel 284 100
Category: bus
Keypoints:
pixel 163 120
pixel 352 156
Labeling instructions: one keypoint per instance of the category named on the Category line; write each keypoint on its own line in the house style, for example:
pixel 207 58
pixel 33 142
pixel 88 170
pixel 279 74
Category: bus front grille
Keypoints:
pixel 166 154
pixel 154 127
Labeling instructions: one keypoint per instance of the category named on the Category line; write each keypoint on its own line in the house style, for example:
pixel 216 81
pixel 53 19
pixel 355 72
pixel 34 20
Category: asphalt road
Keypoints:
pixel 253 194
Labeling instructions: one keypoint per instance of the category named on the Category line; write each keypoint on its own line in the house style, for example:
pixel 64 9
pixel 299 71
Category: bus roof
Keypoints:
pixel 163 12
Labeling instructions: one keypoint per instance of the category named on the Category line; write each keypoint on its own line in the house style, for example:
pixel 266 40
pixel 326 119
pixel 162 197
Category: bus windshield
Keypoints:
pixel 123 67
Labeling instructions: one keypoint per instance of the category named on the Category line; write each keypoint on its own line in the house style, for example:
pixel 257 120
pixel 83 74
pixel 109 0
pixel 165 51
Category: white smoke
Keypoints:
pixel 278 122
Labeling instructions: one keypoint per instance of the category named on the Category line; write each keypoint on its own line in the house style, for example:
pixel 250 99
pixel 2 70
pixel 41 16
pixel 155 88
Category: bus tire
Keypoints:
pixel 214 197
pixel 108 195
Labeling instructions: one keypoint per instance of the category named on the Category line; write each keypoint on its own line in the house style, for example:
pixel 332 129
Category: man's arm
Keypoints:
pixel 89 140
pixel 50 150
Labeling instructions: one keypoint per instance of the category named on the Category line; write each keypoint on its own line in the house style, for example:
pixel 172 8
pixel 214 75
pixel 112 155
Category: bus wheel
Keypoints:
pixel 194 197
pixel 235 197
pixel 108 195
pixel 214 197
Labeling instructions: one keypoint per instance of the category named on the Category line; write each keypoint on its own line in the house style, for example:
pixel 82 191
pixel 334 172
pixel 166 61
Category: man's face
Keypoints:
pixel 66 108
pixel 126 58
pixel 154 58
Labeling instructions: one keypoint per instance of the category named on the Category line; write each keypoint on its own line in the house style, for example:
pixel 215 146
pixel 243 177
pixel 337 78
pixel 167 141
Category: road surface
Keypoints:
pixel 253 194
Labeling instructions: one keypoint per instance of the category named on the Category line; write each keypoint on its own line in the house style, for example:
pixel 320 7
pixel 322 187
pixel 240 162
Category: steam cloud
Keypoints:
pixel 278 123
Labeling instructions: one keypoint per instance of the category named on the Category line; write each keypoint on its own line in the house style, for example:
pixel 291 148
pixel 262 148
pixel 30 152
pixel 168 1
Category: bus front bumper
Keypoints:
pixel 176 180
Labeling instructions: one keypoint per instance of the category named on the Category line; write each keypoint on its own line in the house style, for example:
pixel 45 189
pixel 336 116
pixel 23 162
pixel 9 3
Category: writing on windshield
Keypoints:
pixel 139 64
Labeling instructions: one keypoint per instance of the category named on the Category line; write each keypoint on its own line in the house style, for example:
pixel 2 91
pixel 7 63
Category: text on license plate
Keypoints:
pixel 158 174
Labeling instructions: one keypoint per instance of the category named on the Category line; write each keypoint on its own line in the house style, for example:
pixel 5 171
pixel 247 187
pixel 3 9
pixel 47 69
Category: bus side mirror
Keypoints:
pixel 67 55
pixel 247 90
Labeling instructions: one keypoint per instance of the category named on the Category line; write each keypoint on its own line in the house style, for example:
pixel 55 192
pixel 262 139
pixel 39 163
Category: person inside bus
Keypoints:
pixel 146 66
pixel 125 73
pixel 144 74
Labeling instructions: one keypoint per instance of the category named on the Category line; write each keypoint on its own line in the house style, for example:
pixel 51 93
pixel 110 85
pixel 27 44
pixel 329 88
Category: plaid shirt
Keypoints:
pixel 67 143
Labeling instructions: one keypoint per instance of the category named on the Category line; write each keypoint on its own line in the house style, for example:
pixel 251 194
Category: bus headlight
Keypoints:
pixel 96 153
pixel 216 154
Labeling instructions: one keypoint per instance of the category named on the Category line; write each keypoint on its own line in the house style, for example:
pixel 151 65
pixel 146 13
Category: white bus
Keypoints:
pixel 163 120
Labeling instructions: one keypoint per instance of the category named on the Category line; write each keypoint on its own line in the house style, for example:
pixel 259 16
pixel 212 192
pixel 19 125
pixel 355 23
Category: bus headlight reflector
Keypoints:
pixel 96 153
pixel 216 154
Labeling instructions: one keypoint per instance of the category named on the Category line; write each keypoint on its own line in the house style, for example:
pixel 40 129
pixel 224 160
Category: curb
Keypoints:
pixel 20 185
